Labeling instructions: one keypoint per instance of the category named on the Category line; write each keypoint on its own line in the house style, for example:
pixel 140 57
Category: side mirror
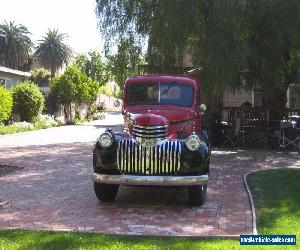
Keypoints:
pixel 202 109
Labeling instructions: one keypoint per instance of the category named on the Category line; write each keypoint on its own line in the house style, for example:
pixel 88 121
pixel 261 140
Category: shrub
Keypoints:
pixel 105 90
pixel 16 127
pixel 28 100
pixel 100 106
pixel 77 118
pixel 95 112
pixel 99 116
pixel 6 104
pixel 44 121
pixel 60 120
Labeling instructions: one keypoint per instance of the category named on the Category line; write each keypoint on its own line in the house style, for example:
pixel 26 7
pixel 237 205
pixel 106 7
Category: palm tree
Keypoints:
pixel 52 52
pixel 15 45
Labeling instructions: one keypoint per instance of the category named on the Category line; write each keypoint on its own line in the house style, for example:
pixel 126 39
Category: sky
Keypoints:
pixel 76 18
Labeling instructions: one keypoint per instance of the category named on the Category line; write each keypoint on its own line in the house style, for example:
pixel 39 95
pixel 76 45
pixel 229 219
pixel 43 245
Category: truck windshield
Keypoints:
pixel 160 93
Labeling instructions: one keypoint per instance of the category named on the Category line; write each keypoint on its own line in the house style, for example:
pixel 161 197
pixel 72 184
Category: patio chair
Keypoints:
pixel 290 135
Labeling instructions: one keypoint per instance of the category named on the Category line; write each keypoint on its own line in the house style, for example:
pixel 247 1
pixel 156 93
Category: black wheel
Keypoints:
pixel 105 192
pixel 197 195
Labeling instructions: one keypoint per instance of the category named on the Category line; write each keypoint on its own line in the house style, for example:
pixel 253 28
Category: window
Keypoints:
pixel 295 97
pixel 160 93
pixel 8 83
pixel 2 82
pixel 257 98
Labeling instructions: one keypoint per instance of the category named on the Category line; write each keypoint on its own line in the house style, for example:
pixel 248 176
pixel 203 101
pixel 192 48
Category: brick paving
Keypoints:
pixel 54 190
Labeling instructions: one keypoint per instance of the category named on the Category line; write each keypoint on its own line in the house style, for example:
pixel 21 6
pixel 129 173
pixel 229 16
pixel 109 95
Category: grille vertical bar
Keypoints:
pixel 163 159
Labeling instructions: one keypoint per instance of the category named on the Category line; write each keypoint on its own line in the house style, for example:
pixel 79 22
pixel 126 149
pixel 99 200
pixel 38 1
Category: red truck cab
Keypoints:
pixel 162 142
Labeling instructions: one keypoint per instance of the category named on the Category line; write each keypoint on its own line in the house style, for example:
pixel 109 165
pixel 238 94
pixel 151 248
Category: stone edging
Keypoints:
pixel 254 228
pixel 254 225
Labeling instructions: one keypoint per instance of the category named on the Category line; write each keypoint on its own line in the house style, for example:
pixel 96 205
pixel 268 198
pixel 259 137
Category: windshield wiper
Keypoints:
pixel 165 91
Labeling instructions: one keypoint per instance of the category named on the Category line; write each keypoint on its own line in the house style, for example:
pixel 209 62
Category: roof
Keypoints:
pixel 14 71
pixel 162 78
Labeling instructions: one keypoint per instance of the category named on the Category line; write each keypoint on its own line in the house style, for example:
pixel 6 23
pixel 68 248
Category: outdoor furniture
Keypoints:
pixel 290 133
pixel 260 127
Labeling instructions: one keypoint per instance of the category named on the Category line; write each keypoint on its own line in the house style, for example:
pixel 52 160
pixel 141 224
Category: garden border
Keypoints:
pixel 254 224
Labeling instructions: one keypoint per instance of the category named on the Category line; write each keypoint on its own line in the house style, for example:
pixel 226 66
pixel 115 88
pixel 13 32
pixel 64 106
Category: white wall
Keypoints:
pixel 235 99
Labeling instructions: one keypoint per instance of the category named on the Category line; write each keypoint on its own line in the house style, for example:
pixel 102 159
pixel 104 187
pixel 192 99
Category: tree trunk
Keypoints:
pixel 53 71
pixel 68 113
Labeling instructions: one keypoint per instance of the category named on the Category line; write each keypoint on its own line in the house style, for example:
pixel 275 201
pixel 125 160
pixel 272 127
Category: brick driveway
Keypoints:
pixel 54 190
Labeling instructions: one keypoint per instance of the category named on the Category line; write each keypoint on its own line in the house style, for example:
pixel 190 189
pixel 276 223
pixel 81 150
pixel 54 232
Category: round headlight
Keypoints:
pixel 193 142
pixel 105 140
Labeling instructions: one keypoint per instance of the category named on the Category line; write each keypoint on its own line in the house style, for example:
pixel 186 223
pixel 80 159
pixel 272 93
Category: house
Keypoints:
pixel 254 98
pixel 10 77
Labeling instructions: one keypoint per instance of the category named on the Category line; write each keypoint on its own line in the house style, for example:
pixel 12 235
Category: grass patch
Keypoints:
pixel 277 200
pixel 276 194
pixel 21 239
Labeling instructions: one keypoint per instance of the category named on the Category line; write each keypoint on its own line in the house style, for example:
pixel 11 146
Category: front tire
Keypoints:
pixel 105 192
pixel 197 195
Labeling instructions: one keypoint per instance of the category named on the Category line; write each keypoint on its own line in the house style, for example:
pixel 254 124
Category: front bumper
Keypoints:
pixel 151 180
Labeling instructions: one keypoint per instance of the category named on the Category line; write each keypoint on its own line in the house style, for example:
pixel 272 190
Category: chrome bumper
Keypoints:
pixel 150 180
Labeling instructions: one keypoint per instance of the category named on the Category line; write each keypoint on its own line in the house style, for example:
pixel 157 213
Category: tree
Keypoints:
pixel 6 104
pixel 126 62
pixel 234 43
pixel 273 40
pixel 28 100
pixel 41 77
pixel 74 87
pixel 93 66
pixel 52 52
pixel 15 45
pixel 209 31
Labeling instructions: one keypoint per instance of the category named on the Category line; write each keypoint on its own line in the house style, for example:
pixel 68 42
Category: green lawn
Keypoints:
pixel 277 199
pixel 276 194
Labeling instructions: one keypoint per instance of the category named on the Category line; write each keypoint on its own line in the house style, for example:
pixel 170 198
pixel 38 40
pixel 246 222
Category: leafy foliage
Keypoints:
pixel 74 86
pixel 52 52
pixel 127 61
pixel 6 104
pixel 105 90
pixel 93 66
pixel 273 41
pixel 16 127
pixel 15 45
pixel 28 100
pixel 44 121
pixel 41 77
pixel 233 43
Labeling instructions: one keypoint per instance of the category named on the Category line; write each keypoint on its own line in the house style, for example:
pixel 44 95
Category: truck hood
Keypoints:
pixel 158 116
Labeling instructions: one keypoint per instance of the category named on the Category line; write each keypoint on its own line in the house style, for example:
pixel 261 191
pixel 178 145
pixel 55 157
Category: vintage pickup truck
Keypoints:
pixel 162 143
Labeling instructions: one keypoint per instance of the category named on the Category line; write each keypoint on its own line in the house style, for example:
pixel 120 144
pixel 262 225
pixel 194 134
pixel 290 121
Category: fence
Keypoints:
pixel 253 127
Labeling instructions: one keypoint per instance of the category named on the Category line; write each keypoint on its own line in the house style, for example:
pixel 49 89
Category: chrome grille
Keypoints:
pixel 150 132
pixel 163 159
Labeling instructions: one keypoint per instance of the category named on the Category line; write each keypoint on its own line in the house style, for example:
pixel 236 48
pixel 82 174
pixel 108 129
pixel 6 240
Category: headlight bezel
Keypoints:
pixel 192 143
pixel 108 142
